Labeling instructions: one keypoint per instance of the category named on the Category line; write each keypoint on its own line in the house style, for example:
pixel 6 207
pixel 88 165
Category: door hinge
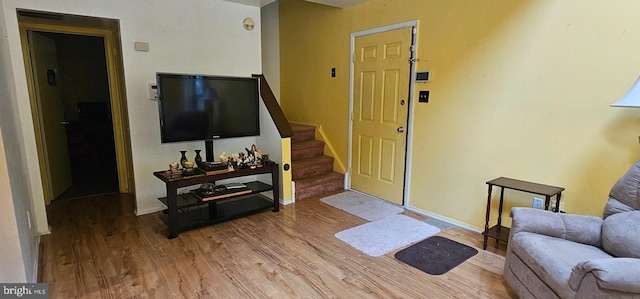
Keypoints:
pixel 413 60
pixel 353 59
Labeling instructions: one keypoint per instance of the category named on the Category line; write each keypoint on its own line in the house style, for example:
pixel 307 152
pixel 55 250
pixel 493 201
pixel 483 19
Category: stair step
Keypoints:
pixel 307 149
pixel 311 167
pixel 319 184
pixel 302 133
pixel 319 179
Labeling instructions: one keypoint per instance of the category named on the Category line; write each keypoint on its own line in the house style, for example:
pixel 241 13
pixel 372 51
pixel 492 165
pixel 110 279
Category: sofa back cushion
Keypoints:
pixel 620 234
pixel 624 194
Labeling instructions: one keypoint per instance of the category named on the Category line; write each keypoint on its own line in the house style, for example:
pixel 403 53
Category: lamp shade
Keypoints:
pixel 631 99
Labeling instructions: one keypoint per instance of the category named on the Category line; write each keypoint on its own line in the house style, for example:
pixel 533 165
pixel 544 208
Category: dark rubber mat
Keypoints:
pixel 436 255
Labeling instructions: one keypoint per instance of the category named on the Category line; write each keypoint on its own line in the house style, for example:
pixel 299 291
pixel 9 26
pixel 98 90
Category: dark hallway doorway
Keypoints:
pixel 80 77
pixel 82 84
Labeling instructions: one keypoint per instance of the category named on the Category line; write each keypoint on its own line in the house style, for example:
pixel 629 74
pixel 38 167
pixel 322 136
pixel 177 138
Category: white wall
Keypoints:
pixel 12 262
pixel 271 143
pixel 271 46
pixel 196 36
pixel 18 237
pixel 204 37
pixel 207 38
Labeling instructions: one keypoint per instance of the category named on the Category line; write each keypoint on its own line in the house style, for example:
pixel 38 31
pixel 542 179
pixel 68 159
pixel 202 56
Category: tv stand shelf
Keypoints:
pixel 185 211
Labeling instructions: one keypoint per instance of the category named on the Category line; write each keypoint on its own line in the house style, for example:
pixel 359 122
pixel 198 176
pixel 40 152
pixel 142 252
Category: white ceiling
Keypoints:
pixel 334 3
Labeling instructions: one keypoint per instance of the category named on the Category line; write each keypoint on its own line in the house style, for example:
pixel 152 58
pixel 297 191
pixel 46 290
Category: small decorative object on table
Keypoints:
pixel 223 157
pixel 183 158
pixel 198 158
pixel 188 168
pixel 174 170
pixel 265 160
pixel 251 159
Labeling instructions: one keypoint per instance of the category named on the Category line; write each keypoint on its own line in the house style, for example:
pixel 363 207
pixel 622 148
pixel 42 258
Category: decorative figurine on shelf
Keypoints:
pixel 258 156
pixel 233 160
pixel 227 161
pixel 243 161
pixel 223 157
pixel 265 160
pixel 174 170
pixel 251 156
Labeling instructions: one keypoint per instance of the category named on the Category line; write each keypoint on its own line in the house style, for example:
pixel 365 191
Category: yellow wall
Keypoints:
pixel 519 89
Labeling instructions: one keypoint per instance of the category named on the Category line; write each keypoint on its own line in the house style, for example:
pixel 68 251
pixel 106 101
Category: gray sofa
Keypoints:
pixel 556 255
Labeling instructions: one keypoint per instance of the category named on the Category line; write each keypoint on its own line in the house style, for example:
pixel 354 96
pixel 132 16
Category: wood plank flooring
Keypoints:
pixel 99 249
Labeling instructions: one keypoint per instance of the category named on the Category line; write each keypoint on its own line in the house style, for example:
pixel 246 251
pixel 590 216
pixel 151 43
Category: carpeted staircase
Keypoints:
pixel 312 171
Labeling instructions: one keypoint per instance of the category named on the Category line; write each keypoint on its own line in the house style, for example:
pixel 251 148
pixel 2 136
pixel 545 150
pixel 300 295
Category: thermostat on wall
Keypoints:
pixel 423 76
pixel 153 91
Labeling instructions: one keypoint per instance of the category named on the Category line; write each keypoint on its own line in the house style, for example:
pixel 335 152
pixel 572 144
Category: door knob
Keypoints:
pixel 400 129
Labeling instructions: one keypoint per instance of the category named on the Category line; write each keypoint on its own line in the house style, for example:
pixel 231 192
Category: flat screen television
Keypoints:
pixel 200 107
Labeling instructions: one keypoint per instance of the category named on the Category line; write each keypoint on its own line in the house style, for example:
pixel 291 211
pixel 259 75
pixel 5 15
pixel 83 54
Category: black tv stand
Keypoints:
pixel 186 212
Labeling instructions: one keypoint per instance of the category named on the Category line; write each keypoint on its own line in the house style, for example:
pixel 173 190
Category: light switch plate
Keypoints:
pixel 423 96
pixel 141 46
pixel 153 91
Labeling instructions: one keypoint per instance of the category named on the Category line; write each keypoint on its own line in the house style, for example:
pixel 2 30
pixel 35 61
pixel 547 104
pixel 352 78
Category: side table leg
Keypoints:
pixel 547 199
pixel 558 203
pixel 486 224
pixel 499 225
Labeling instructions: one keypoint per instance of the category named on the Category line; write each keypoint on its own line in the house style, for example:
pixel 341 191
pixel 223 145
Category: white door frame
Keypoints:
pixel 412 80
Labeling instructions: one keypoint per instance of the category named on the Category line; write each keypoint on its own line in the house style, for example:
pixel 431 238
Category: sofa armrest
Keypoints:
pixel 577 228
pixel 616 274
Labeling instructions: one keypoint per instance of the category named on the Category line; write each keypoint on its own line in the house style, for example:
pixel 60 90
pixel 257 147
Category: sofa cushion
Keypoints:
pixel 625 191
pixel 620 234
pixel 578 228
pixel 614 207
pixel 552 259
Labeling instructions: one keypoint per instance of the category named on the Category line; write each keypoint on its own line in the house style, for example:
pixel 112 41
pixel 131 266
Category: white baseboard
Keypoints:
pixel 293 191
pixel 439 218
pixel 36 261
pixel 148 211
pixel 46 232
pixel 347 182
pixel 288 202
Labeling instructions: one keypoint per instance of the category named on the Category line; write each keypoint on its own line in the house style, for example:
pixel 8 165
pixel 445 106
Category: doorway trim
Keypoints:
pixel 91 26
pixel 412 75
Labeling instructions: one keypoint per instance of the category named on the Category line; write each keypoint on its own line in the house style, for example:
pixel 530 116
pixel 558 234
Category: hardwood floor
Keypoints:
pixel 99 249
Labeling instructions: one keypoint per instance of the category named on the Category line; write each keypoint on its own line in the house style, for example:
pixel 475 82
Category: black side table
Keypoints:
pixel 499 232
